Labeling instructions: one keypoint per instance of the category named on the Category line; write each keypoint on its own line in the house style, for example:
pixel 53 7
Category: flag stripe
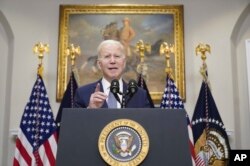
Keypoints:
pixel 23 150
pixel 43 155
pixel 191 146
pixel 53 143
pixel 49 152
pixel 25 156
pixel 39 161
pixel 199 161
pixel 16 162
pixel 19 160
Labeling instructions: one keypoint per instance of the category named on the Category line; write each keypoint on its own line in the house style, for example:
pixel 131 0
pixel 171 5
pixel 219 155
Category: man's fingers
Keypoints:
pixel 100 95
pixel 97 88
pixel 99 100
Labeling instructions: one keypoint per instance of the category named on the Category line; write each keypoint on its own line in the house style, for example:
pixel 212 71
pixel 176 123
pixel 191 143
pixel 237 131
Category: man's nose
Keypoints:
pixel 112 59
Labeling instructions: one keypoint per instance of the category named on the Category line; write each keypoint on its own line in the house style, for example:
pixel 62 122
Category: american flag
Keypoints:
pixel 36 143
pixel 172 100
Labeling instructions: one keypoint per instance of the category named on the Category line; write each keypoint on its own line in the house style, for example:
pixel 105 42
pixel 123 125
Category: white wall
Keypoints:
pixel 211 21
pixel 240 70
pixel 248 69
pixel 6 47
pixel 3 68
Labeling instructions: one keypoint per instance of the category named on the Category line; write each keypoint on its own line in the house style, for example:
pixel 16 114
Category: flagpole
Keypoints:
pixel 36 142
pixel 72 52
pixel 40 49
pixel 167 50
pixel 141 48
pixel 202 49
pixel 209 131
pixel 67 101
pixel 142 68
pixel 171 98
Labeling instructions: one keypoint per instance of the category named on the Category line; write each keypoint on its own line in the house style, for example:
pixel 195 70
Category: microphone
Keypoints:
pixel 115 89
pixel 132 87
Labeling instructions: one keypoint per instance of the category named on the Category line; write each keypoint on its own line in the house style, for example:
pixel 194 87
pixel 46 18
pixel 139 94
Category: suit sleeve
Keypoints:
pixel 146 103
pixel 78 100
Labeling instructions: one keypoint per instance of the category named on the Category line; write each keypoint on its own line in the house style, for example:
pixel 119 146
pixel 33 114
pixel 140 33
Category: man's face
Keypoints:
pixel 126 22
pixel 112 62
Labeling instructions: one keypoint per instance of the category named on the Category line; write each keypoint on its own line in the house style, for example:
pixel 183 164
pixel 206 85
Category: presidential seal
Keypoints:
pixel 123 142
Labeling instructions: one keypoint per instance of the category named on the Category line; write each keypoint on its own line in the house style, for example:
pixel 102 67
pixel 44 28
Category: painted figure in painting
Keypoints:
pixel 127 34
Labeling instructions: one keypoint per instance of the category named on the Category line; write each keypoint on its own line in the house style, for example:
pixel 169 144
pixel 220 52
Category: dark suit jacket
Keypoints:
pixel 82 97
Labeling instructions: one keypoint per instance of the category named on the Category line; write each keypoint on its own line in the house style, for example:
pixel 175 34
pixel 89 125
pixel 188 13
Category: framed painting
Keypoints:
pixel 87 25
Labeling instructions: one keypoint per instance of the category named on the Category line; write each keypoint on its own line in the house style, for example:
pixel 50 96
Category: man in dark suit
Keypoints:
pixel 112 62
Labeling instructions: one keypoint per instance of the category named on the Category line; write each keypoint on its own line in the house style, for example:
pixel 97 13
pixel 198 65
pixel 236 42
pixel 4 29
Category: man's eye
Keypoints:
pixel 106 56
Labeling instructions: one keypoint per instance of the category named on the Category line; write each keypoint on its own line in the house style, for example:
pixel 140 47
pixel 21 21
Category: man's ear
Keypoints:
pixel 124 65
pixel 98 64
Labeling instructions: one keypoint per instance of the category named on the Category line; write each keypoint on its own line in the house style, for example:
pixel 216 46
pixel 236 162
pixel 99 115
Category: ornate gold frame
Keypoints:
pixel 176 10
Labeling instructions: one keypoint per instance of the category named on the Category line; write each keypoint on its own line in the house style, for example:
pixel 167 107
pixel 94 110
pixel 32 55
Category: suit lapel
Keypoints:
pixel 125 88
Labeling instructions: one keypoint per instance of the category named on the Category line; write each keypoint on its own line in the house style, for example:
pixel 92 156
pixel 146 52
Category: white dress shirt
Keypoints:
pixel 106 89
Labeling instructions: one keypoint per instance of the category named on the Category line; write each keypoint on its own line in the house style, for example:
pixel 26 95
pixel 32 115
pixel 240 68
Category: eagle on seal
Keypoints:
pixel 123 142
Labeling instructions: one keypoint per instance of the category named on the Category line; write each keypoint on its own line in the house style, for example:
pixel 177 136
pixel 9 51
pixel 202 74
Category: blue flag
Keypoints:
pixel 68 98
pixel 141 83
pixel 210 138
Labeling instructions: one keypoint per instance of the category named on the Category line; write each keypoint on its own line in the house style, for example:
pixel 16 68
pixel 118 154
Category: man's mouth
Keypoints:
pixel 112 68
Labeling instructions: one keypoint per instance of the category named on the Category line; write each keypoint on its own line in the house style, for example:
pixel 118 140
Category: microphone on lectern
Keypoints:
pixel 132 87
pixel 115 89
pixel 114 86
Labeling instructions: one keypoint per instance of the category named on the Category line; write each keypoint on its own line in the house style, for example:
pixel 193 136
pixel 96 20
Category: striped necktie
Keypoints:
pixel 112 103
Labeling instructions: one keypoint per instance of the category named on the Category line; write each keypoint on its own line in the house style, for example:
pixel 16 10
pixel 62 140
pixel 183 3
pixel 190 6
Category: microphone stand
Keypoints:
pixel 123 103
